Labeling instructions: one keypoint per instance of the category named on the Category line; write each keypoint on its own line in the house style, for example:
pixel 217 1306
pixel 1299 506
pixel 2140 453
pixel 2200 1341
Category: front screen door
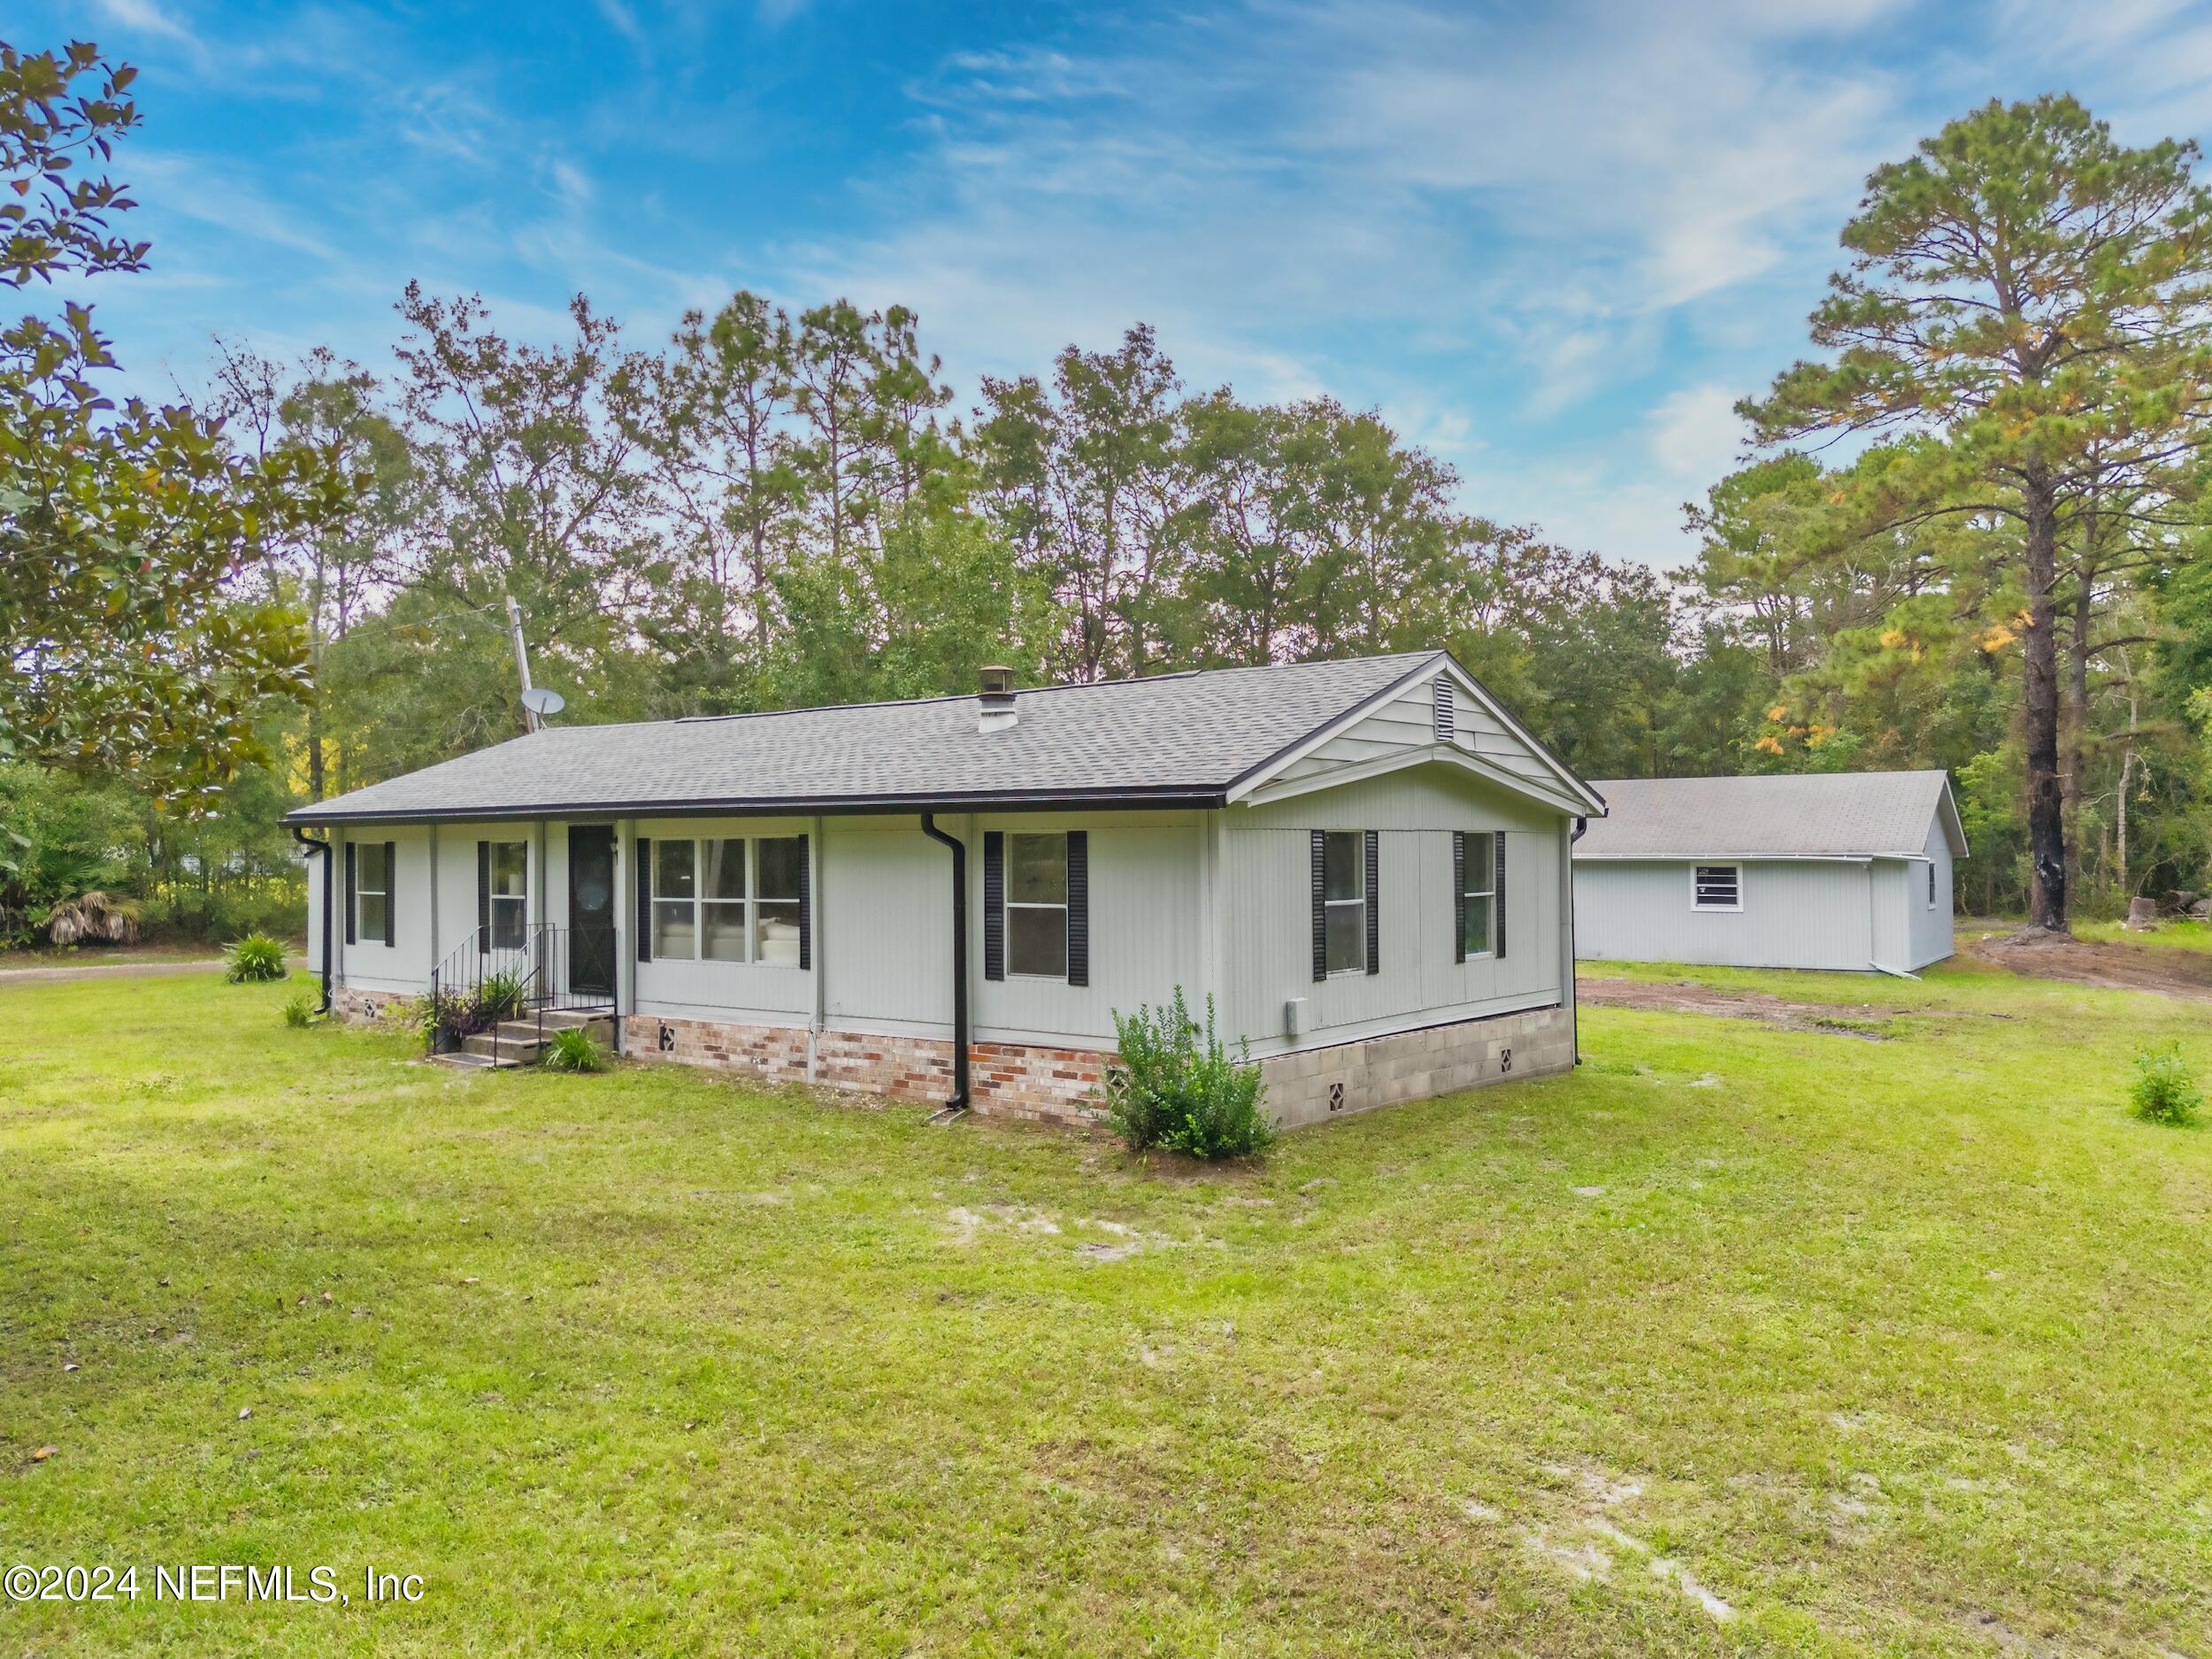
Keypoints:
pixel 591 910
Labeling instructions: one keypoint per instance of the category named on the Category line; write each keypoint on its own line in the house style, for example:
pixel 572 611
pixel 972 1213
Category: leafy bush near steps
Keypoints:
pixel 449 1016
pixel 254 960
pixel 573 1051
pixel 1174 1090
pixel 2164 1091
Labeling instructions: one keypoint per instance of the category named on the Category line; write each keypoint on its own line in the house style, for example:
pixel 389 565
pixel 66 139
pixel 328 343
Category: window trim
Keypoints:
pixel 363 890
pixel 748 907
pixel 1698 905
pixel 1359 838
pixel 1931 884
pixel 1010 904
pixel 494 898
pixel 1488 841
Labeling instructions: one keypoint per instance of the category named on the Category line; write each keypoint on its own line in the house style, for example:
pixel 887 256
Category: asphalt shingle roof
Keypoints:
pixel 1795 815
pixel 1179 734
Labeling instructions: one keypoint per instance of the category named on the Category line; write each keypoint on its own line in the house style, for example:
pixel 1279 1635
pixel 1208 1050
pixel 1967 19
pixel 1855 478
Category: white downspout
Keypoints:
pixel 1873 914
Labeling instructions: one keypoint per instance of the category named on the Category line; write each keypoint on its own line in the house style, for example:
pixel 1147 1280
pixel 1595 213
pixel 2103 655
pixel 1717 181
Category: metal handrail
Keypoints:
pixel 537 966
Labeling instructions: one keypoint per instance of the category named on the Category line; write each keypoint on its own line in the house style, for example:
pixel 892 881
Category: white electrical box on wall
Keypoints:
pixel 1294 1017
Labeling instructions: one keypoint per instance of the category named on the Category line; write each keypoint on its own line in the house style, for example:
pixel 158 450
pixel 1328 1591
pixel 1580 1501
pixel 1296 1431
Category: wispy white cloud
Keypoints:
pixel 1696 433
pixel 147 16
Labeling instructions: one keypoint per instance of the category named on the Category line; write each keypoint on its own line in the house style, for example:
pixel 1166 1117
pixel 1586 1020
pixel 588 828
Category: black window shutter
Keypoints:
pixel 1320 906
pixel 1079 907
pixel 994 904
pixel 391 893
pixel 645 899
pixel 1459 895
pixel 1374 902
pixel 806 906
pixel 1497 901
pixel 483 898
pixel 352 905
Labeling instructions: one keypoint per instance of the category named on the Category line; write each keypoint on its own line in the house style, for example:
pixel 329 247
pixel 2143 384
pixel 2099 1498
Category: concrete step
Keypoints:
pixel 467 1062
pixel 521 1050
pixel 562 1018
pixel 599 1027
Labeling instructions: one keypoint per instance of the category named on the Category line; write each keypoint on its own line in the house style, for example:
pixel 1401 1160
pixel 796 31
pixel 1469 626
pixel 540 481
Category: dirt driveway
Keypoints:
pixel 1681 996
pixel 119 970
pixel 2114 967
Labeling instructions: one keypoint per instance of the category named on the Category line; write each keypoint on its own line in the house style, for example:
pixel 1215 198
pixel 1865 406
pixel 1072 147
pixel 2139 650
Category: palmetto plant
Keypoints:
pixel 253 960
pixel 574 1050
pixel 94 917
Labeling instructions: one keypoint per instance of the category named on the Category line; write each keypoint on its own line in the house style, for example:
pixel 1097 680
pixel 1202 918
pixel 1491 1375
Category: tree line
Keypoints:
pixel 1968 537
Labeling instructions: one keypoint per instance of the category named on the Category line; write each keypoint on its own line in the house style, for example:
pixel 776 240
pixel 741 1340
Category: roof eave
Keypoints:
pixel 1163 798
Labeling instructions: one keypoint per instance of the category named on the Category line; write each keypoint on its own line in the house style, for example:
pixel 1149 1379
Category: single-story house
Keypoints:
pixel 1834 870
pixel 1364 865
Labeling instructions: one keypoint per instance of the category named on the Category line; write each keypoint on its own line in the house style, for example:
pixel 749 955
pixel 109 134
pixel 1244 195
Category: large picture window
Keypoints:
pixel 510 895
pixel 1479 874
pixel 1344 890
pixel 372 890
pixel 729 899
pixel 1037 906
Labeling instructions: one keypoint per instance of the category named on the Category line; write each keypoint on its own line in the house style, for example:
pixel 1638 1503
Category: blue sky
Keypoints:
pixel 1553 245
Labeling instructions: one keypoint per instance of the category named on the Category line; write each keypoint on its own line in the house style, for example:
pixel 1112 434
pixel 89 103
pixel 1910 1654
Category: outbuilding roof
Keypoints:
pixel 1795 815
pixel 1174 739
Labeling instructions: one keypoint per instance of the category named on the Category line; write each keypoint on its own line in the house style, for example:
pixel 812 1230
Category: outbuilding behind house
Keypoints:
pixel 1842 871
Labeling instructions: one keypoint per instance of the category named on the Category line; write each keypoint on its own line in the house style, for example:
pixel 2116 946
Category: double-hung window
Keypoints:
pixel 1931 884
pixel 675 899
pixel 1479 891
pixel 1344 894
pixel 372 890
pixel 728 899
pixel 781 879
pixel 1716 888
pixel 510 896
pixel 1037 906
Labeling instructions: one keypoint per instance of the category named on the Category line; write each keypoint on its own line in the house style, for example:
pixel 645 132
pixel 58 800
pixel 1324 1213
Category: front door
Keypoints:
pixel 591 910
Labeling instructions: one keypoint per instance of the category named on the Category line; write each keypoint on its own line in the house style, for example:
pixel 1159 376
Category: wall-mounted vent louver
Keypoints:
pixel 1446 709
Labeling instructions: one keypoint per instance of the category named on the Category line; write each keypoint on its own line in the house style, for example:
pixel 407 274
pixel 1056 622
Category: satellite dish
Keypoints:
pixel 543 702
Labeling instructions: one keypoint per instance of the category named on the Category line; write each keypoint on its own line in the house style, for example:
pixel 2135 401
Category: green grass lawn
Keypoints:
pixel 1890 1347
pixel 2174 934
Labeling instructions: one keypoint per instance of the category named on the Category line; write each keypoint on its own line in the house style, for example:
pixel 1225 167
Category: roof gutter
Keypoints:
pixel 959 1101
pixel 1166 798
pixel 322 847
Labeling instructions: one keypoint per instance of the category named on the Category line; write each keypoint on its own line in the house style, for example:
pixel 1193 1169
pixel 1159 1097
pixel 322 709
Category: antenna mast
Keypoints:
pixel 530 721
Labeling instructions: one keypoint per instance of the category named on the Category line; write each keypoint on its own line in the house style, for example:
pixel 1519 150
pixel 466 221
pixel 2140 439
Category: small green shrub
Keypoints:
pixel 299 1013
pixel 498 998
pixel 2165 1091
pixel 573 1051
pixel 1177 1092
pixel 254 960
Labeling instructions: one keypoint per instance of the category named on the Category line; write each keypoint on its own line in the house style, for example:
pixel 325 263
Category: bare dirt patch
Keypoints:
pixel 1682 996
pixel 2038 955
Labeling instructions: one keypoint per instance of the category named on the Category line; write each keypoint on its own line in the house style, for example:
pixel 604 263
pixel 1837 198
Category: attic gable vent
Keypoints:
pixel 1447 708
